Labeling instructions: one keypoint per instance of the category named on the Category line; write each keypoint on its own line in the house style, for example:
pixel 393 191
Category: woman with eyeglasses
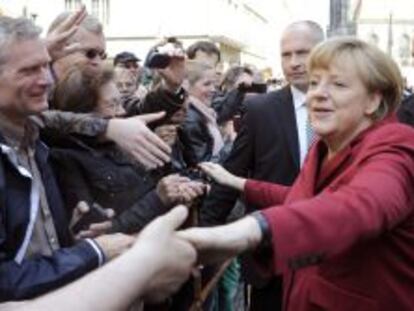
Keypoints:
pixel 342 236
pixel 97 172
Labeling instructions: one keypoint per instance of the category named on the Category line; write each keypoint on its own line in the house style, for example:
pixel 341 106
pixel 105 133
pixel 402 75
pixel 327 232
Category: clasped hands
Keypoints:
pixel 173 253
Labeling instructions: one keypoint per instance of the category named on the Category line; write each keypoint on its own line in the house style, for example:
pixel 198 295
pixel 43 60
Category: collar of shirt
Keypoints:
pixel 299 98
pixel 17 137
pixel 301 114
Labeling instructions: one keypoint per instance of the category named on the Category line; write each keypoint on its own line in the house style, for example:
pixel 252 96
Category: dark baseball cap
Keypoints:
pixel 125 57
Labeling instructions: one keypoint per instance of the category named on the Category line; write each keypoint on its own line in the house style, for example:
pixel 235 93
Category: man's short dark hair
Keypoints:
pixel 207 47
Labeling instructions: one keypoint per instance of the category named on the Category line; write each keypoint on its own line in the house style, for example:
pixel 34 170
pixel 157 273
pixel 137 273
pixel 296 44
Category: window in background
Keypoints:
pixel 100 9
pixel 72 5
pixel 404 49
pixel 373 39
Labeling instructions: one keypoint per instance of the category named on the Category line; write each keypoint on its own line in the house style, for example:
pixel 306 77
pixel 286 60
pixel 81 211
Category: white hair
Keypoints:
pixel 15 29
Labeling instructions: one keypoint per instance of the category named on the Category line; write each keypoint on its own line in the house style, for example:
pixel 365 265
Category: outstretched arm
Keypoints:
pixel 152 269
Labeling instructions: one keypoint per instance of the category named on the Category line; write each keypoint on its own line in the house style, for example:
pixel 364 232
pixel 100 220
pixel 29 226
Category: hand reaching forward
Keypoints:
pixel 222 176
pixel 217 244
pixel 134 137
pixel 170 259
pixel 175 189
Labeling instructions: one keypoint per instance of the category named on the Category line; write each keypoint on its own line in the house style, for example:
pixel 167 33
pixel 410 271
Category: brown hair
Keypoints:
pixel 207 47
pixel 231 76
pixel 79 90
pixel 378 72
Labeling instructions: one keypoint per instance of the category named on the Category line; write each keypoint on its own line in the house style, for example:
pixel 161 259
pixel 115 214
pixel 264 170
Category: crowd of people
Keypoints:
pixel 303 192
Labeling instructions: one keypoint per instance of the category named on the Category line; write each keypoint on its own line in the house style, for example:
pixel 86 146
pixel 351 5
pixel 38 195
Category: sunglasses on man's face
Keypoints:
pixel 93 53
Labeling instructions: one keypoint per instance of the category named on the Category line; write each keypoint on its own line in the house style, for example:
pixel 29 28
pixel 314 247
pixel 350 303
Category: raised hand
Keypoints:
pixel 57 41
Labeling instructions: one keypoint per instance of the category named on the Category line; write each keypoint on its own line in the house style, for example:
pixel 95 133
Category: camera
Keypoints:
pixel 259 88
pixel 157 60
pixel 159 57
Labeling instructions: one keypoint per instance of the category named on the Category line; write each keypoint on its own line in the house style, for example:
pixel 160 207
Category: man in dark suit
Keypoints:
pixel 405 112
pixel 271 144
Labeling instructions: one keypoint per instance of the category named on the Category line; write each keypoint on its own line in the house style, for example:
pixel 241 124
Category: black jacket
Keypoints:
pixel 93 172
pixel 196 138
pixel 42 274
pixel 227 105
pixel 405 112
pixel 266 148
pixel 99 173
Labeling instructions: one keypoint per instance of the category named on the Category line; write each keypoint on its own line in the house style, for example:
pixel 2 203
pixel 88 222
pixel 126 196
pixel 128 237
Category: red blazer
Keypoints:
pixel 343 236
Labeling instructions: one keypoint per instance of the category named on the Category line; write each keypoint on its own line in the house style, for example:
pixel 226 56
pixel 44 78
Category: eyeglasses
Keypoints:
pixel 92 53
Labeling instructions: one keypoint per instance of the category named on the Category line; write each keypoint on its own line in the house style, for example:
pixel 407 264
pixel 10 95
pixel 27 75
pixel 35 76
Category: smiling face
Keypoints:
pixel 24 80
pixel 204 88
pixel 340 106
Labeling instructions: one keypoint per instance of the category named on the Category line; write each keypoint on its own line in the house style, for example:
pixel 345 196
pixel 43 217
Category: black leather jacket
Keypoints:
pixel 100 174
pixel 196 138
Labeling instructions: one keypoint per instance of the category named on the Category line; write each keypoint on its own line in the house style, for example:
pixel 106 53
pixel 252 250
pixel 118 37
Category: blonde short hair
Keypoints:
pixel 378 72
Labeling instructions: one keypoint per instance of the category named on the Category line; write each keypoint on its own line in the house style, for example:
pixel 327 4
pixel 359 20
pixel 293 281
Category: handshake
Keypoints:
pixel 156 263
pixel 173 255
pixel 179 251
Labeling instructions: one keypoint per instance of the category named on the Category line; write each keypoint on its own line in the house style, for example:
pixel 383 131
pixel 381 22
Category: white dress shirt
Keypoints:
pixel 301 112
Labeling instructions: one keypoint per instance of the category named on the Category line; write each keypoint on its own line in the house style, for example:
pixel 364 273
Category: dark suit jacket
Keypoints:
pixel 405 112
pixel 266 148
pixel 344 236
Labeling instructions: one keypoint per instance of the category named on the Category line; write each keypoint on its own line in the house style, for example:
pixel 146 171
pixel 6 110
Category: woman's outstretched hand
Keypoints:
pixel 222 176
pixel 217 244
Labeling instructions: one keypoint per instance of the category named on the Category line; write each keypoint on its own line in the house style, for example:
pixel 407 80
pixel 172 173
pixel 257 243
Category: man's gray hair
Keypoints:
pixel 90 23
pixel 15 29
pixel 314 27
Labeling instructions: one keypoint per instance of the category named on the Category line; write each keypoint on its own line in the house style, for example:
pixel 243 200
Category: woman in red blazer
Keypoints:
pixel 343 234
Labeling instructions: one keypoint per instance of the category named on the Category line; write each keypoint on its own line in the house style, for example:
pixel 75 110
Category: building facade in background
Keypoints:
pixel 389 24
pixel 240 29
pixel 246 31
